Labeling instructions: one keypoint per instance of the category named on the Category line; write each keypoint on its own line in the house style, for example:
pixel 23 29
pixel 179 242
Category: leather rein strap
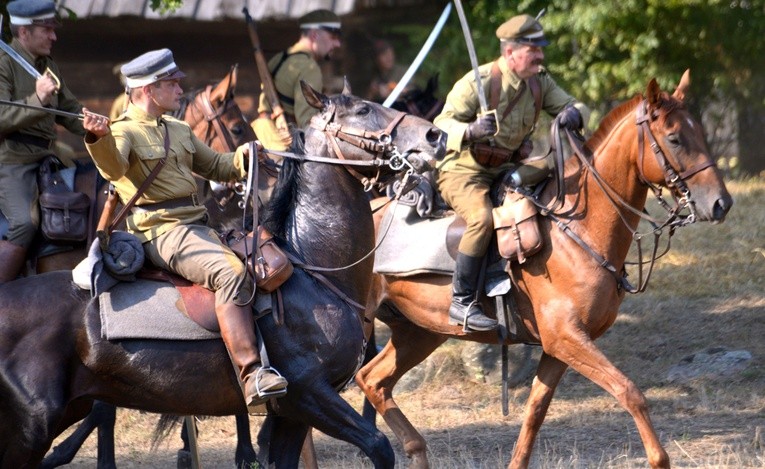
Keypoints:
pixel 674 181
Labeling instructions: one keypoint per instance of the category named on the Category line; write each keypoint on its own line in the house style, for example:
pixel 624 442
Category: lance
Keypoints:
pixel 420 57
pixel 55 112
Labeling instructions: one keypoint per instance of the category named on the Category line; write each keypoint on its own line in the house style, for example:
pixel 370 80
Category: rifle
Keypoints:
pixel 277 112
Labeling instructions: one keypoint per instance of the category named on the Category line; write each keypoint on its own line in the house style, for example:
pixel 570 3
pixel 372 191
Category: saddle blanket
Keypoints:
pixel 413 245
pixel 146 309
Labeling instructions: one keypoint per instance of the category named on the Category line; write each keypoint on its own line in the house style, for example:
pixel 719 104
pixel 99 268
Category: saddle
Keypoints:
pixel 411 244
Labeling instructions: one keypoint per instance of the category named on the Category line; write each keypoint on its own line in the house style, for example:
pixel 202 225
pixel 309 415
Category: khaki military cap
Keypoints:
pixel 523 29
pixel 321 19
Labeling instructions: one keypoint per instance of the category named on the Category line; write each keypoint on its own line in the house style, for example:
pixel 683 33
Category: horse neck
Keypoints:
pixel 331 223
pixel 615 161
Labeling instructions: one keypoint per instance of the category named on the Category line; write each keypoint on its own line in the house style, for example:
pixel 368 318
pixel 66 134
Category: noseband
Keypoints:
pixel 378 142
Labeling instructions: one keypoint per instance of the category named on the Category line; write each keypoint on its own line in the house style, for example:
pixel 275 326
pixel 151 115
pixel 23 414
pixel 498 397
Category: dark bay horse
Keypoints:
pixel 421 102
pixel 565 296
pixel 52 370
pixel 217 120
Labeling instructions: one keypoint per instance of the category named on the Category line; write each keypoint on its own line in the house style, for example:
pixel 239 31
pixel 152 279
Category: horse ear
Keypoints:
pixel 653 93
pixel 225 87
pixel 432 84
pixel 314 98
pixel 682 88
pixel 346 86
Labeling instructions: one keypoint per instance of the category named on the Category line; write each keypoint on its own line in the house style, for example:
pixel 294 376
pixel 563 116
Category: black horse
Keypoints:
pixel 52 370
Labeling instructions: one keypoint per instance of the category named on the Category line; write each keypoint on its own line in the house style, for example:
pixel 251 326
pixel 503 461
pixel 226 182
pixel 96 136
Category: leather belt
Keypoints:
pixel 168 204
pixel 19 137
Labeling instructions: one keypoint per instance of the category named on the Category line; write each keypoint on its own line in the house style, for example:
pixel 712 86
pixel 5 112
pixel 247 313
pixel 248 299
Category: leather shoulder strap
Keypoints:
pixel 536 92
pixel 146 183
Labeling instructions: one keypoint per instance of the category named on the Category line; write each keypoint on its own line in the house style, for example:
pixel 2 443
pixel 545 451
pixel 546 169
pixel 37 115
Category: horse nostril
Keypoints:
pixel 433 136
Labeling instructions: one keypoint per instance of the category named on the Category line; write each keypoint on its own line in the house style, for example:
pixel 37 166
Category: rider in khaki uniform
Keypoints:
pixel 28 136
pixel 167 218
pixel 464 182
pixel 320 35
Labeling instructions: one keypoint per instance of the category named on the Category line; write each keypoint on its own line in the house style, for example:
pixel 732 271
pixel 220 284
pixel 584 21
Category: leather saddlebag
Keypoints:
pixel 64 216
pixel 266 261
pixel 517 228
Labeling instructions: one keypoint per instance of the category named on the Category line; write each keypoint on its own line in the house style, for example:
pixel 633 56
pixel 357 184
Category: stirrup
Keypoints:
pixel 465 327
pixel 264 395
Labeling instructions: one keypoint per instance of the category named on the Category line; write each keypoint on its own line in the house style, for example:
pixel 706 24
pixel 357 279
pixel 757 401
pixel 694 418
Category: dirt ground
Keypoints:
pixel 708 292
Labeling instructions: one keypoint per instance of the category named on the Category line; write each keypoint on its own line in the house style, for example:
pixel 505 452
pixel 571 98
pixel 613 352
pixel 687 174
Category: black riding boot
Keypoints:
pixel 464 301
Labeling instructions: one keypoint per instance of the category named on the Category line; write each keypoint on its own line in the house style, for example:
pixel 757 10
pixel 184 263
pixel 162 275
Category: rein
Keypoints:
pixel 675 182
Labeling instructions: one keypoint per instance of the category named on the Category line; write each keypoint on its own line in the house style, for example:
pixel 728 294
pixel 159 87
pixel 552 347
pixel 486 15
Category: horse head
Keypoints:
pixel 681 160
pixel 421 102
pixel 343 124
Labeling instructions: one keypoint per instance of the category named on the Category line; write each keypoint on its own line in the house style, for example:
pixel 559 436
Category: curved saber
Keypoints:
pixel 471 53
pixel 420 57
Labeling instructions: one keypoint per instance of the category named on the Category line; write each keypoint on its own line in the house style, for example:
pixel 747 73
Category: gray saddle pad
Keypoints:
pixel 413 245
pixel 146 309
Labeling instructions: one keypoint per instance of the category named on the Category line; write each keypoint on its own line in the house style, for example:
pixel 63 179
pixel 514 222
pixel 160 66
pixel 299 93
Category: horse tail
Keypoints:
pixel 164 427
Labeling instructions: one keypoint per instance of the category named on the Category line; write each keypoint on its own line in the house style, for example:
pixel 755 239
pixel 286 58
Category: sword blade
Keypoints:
pixel 20 60
pixel 471 53
pixel 420 57
pixel 55 112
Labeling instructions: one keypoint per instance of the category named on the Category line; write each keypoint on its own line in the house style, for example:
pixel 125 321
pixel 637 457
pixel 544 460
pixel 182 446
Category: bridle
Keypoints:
pixel 378 142
pixel 674 178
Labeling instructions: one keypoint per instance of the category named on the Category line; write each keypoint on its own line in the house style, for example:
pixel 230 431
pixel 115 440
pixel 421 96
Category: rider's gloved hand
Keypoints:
pixel 570 118
pixel 483 126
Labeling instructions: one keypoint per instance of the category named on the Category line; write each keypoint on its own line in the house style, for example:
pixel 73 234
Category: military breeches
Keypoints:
pixel 196 253
pixel 19 202
pixel 468 195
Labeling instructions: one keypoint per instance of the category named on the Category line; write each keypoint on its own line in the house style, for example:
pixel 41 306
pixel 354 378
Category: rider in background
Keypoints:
pixel 167 218
pixel 469 169
pixel 319 36
pixel 388 72
pixel 28 136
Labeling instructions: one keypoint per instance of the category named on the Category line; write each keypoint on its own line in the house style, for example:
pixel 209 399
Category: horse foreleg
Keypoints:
pixel 549 373
pixel 581 353
pixel 283 440
pixel 408 346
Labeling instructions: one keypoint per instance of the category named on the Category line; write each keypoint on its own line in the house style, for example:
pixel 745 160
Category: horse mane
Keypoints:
pixel 285 192
pixel 610 121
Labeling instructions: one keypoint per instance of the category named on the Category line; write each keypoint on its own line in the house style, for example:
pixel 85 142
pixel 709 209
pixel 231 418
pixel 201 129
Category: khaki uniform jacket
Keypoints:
pixel 462 107
pixel 135 145
pixel 300 65
pixel 16 84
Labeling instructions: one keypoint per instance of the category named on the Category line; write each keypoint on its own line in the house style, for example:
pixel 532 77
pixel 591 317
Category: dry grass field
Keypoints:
pixel 709 291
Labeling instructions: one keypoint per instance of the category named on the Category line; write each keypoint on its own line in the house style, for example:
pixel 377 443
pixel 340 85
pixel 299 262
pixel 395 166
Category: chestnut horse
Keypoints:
pixel 51 371
pixel 568 294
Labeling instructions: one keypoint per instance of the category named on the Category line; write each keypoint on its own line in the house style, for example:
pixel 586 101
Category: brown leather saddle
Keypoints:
pixel 198 302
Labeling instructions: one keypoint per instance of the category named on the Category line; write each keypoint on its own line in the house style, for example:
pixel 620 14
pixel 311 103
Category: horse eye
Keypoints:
pixel 236 129
pixel 673 139
pixel 363 111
